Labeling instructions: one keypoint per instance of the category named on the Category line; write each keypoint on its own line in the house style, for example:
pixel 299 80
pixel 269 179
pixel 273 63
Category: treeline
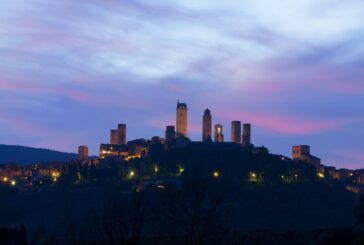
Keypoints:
pixel 235 165
pixel 203 211
pixel 186 196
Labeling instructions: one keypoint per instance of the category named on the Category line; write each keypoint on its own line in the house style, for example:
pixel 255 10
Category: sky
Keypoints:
pixel 72 70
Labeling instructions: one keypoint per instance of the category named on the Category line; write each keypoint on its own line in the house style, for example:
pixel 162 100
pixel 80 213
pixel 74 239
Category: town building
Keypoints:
pixel 114 137
pixel 83 152
pixel 170 134
pixel 113 151
pixel 122 134
pixel 181 119
pixel 246 134
pixel 236 132
pixel 206 126
pixel 302 153
pixel 219 136
pixel 133 149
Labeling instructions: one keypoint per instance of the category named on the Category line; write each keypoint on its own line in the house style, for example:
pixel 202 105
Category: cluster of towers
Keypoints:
pixel 182 128
pixel 118 136
pixel 236 136
pixel 181 124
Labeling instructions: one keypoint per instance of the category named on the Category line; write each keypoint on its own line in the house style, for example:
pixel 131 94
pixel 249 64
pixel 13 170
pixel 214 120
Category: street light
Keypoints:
pixel 132 174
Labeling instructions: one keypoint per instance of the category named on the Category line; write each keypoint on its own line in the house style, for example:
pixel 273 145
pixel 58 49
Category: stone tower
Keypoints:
pixel 122 134
pixel 236 132
pixel 219 136
pixel 181 119
pixel 114 136
pixel 83 152
pixel 246 134
pixel 206 126
pixel 170 135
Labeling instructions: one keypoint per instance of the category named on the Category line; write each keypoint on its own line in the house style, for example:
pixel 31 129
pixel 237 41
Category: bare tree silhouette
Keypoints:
pixel 196 209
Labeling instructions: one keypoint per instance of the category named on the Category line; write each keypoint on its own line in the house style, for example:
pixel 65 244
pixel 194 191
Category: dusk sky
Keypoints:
pixel 72 70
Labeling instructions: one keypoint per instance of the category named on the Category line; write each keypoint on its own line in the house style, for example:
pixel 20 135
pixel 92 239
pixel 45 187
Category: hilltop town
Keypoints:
pixel 131 153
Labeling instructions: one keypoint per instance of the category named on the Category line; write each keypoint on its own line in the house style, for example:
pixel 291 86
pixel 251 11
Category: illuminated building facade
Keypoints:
pixel 302 153
pixel 236 132
pixel 246 134
pixel 138 148
pixel 206 126
pixel 122 134
pixel 219 136
pixel 133 149
pixel 83 152
pixel 181 119
pixel 115 151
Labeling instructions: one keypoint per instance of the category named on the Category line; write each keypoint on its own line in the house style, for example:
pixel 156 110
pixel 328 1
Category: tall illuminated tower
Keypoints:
pixel 181 119
pixel 219 136
pixel 122 134
pixel 206 125
pixel 236 132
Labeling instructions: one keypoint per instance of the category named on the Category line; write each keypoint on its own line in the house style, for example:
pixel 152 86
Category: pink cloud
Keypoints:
pixel 16 86
pixel 281 123
pixel 349 159
pixel 347 87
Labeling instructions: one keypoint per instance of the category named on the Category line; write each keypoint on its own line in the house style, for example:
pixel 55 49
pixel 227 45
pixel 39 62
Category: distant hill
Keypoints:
pixel 28 155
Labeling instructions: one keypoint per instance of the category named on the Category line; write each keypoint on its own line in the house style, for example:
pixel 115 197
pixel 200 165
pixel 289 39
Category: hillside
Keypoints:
pixel 28 155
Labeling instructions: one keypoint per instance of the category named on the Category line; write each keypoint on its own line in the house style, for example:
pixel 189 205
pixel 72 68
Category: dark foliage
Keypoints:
pixel 15 236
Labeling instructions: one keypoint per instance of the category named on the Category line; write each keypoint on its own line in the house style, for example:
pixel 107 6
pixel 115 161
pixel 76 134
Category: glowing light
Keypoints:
pixel 54 179
pixel 127 158
pixel 132 174
pixel 156 169
pixel 216 174
pixel 253 177
pixel 282 176
pixel 321 175
pixel 55 174
pixel 5 179
pixel 181 169
pixel 13 183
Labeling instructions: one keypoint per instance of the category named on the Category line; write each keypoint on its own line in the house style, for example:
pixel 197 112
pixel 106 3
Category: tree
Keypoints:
pixel 123 219
pixel 196 210
pixel 359 210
